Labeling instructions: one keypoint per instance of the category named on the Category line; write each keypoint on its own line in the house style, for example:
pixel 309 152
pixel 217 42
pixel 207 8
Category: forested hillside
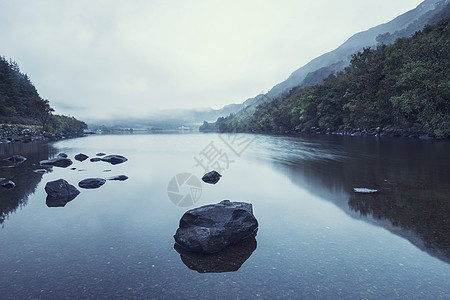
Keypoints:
pixel 405 85
pixel 20 103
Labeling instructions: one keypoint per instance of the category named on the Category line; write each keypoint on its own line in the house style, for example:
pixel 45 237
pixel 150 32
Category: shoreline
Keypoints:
pixel 25 134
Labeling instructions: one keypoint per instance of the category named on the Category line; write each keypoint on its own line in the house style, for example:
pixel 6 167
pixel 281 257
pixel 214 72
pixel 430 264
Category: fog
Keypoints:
pixel 115 59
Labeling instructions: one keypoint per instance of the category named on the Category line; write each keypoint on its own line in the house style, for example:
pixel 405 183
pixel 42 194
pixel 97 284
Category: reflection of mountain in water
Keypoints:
pixel 22 174
pixel 228 260
pixel 412 177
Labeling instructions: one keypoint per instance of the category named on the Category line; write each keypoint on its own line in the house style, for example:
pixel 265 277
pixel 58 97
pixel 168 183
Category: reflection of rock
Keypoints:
pixel 119 177
pixel 211 228
pixel 59 191
pixel 114 159
pixel 211 177
pixel 91 183
pixel 229 259
pixel 16 159
pixel 9 184
pixel 57 162
pixel 81 157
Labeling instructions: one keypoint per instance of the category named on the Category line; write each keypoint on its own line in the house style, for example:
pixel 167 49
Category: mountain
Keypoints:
pixel 428 12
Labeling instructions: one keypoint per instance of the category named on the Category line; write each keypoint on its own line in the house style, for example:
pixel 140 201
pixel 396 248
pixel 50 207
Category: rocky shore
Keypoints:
pixel 415 131
pixel 25 134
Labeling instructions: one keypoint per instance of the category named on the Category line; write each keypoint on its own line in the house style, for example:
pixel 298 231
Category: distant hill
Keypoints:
pixel 428 12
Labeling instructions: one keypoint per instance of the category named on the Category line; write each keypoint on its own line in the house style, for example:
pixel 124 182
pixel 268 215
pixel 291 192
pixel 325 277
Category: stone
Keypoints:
pixel 95 159
pixel 114 159
pixel 118 177
pixel 91 183
pixel 40 171
pixel 81 157
pixel 212 228
pixel 211 177
pixel 100 154
pixel 57 162
pixel 9 184
pixel 60 190
pixel 16 159
pixel 63 155
pixel 364 190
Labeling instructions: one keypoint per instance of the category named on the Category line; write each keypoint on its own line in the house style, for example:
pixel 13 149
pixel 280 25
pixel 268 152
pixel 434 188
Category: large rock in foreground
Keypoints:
pixel 57 162
pixel 211 228
pixel 61 190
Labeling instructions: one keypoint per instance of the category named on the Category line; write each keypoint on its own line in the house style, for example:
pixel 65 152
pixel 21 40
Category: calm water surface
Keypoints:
pixel 317 238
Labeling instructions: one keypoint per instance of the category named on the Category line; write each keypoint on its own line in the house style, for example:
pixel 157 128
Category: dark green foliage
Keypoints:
pixel 20 103
pixel 406 84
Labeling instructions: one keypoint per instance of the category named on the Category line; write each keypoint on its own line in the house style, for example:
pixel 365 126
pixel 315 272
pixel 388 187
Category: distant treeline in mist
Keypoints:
pixel 20 103
pixel 406 84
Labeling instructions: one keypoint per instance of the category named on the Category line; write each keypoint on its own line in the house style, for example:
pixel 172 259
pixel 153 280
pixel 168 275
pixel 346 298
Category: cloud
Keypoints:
pixel 115 58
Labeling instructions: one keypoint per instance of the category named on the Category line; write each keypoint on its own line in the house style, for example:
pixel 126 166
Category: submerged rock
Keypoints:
pixel 16 159
pixel 114 159
pixel 9 184
pixel 81 157
pixel 229 259
pixel 119 177
pixel 91 183
pixel 211 228
pixel 57 162
pixel 60 190
pixel 364 190
pixel 211 177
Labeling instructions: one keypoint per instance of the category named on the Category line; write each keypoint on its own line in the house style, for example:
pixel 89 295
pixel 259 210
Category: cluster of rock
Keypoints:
pixel 60 192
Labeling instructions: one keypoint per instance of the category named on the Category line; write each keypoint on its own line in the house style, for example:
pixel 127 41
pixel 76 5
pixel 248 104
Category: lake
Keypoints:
pixel 317 237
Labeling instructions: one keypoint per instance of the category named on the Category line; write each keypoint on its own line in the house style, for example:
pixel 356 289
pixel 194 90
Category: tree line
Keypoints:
pixel 20 103
pixel 404 85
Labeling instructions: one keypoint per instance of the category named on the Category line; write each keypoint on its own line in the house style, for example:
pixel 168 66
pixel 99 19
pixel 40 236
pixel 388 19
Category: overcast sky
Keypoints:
pixel 105 59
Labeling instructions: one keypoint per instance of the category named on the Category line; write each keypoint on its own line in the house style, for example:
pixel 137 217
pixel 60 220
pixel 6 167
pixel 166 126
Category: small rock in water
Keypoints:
pixel 16 159
pixel 63 155
pixel 40 171
pixel 60 190
pixel 57 162
pixel 364 190
pixel 91 183
pixel 114 159
pixel 81 157
pixel 119 177
pixel 9 184
pixel 100 154
pixel 211 177
pixel 95 159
